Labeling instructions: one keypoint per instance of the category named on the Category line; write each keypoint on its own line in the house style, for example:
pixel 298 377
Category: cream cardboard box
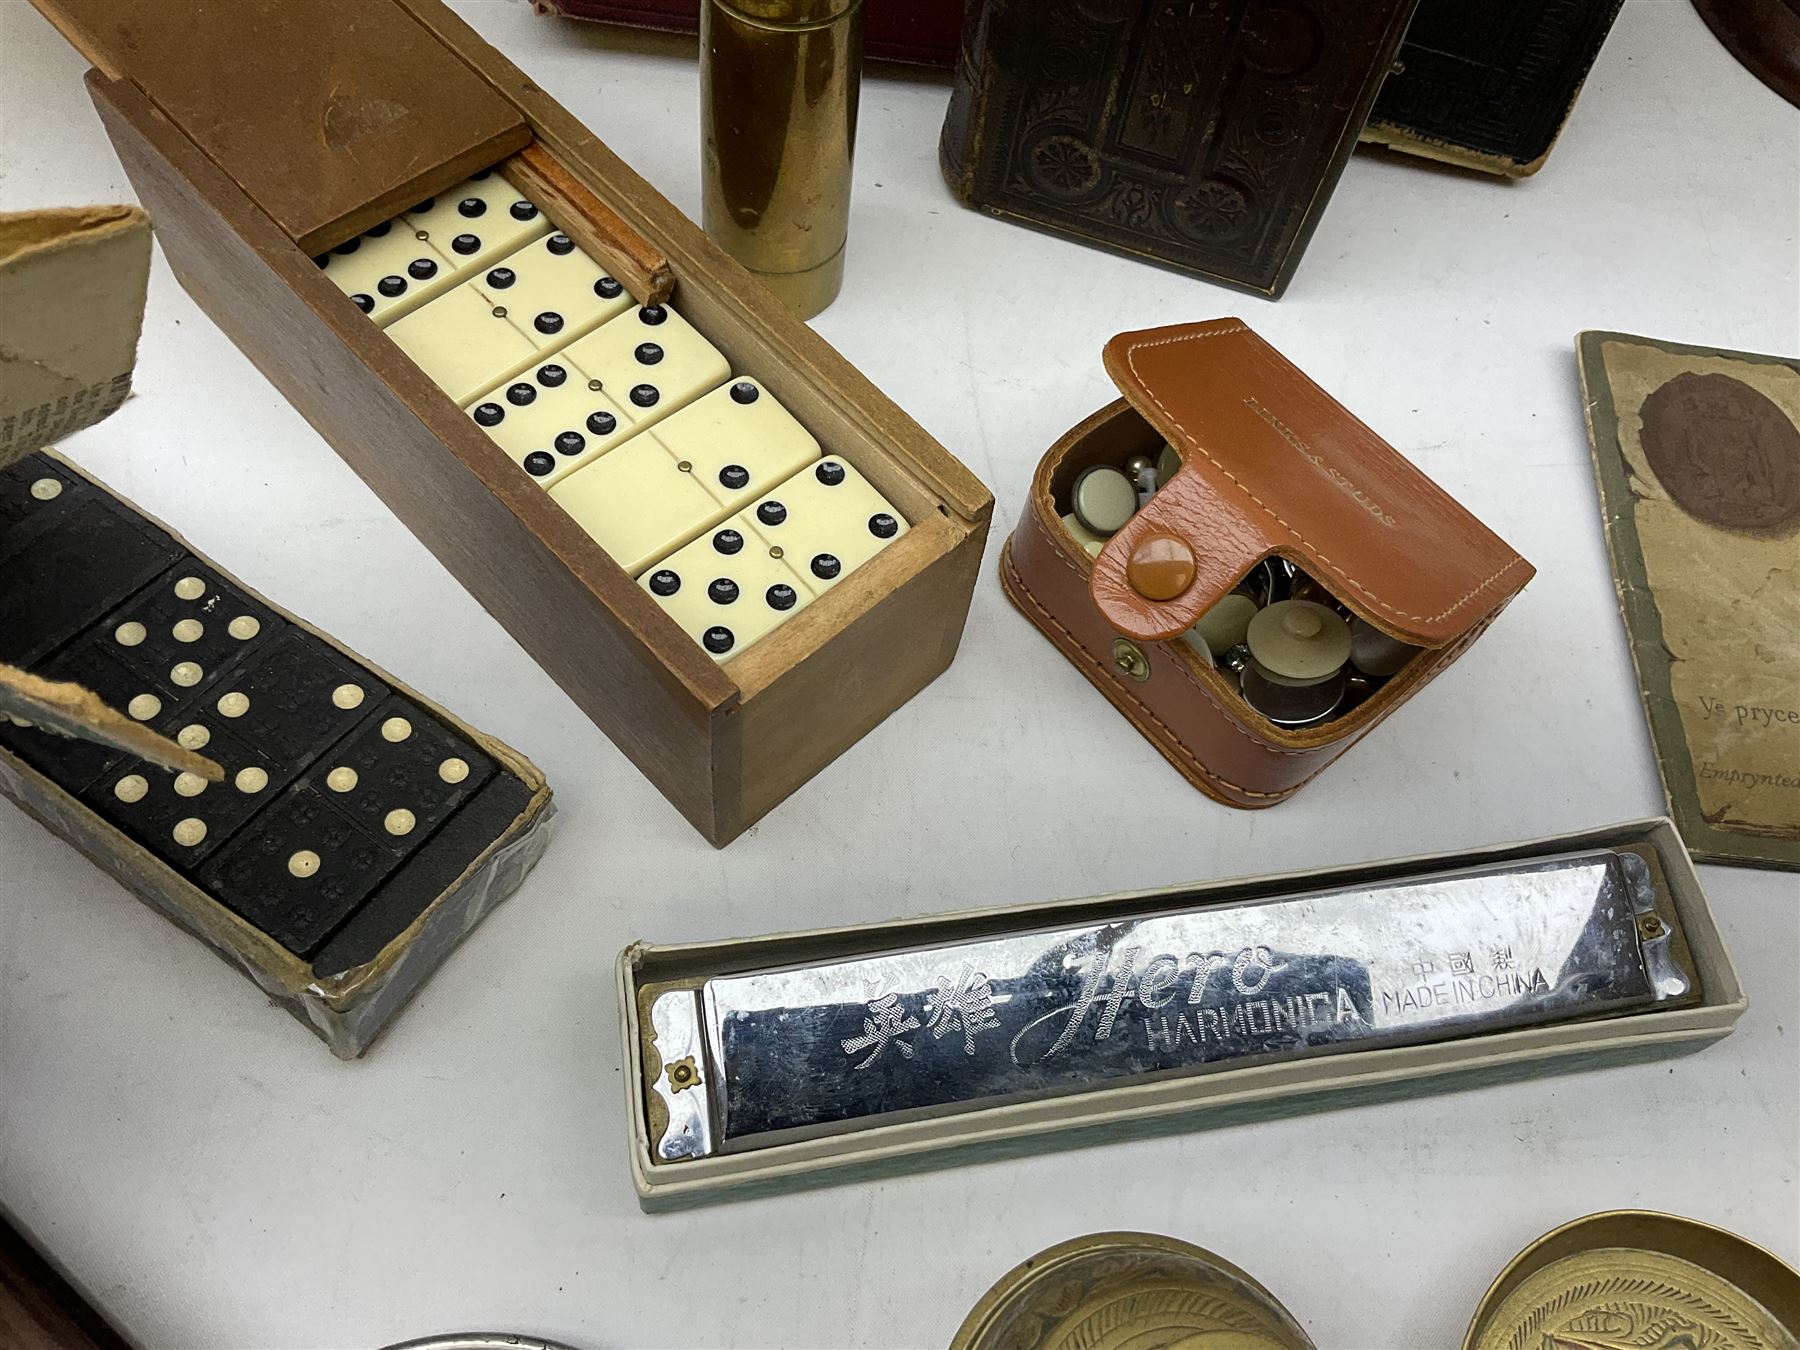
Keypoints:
pixel 71 306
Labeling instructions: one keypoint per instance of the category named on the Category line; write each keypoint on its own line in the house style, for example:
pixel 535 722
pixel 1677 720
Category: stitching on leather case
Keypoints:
pixel 1131 352
pixel 1174 741
pixel 1185 674
pixel 1044 529
pixel 1188 675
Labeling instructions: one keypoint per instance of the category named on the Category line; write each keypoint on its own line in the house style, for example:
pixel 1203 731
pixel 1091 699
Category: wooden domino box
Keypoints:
pixel 358 832
pixel 262 136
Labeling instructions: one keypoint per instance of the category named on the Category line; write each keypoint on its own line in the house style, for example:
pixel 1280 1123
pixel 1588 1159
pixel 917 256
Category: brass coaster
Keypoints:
pixel 1113 1291
pixel 1632 1278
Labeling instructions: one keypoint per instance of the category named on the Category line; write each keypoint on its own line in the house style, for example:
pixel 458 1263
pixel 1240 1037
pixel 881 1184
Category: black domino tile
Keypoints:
pixel 186 618
pixel 291 715
pixel 151 805
pixel 398 759
pixel 91 664
pixel 25 512
pixel 427 874
pixel 71 764
pixel 258 877
pixel 68 574
pixel 199 727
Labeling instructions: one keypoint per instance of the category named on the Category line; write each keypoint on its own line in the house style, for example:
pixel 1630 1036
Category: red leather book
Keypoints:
pixel 919 32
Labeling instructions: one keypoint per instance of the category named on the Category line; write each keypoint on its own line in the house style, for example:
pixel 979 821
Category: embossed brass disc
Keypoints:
pixel 1128 1291
pixel 1640 1279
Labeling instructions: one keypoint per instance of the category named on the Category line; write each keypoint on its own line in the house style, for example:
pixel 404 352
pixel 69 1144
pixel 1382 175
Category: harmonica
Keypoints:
pixel 755 1059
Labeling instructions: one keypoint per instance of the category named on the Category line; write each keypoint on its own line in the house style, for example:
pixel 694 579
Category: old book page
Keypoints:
pixel 1697 453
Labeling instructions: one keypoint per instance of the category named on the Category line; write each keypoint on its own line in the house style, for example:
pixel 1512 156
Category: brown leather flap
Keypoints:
pixel 333 115
pixel 1271 463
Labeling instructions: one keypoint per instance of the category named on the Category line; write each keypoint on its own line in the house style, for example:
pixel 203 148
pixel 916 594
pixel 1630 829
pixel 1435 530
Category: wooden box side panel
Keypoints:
pixel 390 425
pixel 822 701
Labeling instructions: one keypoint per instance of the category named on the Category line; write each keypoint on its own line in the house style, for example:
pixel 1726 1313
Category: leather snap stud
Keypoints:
pixel 1129 658
pixel 1161 567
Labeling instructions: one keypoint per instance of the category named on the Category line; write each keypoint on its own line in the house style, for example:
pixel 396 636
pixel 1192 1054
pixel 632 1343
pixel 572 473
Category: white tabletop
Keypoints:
pixel 213 1177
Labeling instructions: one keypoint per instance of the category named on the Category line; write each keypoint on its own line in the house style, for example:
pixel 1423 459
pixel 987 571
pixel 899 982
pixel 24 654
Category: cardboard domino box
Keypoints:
pixel 308 168
pixel 359 831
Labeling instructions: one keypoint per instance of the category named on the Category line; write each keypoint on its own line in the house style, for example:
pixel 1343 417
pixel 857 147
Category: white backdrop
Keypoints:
pixel 214 1178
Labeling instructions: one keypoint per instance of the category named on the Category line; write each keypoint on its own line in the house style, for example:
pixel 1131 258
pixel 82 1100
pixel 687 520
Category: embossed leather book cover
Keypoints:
pixel 1697 453
pixel 1488 84
pixel 1204 136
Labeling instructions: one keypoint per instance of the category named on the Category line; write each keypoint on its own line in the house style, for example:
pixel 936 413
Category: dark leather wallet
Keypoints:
pixel 1488 84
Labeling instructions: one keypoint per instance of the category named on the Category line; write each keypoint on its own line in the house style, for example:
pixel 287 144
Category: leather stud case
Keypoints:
pixel 1271 467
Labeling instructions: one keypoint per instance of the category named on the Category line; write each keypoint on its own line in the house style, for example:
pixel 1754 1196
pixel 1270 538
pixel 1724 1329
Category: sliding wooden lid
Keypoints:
pixel 332 115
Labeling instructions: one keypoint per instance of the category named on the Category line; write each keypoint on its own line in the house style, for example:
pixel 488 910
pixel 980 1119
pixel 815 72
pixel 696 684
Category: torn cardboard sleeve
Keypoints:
pixel 72 288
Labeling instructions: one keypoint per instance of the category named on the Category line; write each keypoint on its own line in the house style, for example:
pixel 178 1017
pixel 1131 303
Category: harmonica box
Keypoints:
pixel 760 1065
pixel 263 136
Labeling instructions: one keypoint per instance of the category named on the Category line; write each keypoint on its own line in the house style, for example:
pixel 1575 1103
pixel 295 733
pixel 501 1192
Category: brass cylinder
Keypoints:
pixel 778 91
